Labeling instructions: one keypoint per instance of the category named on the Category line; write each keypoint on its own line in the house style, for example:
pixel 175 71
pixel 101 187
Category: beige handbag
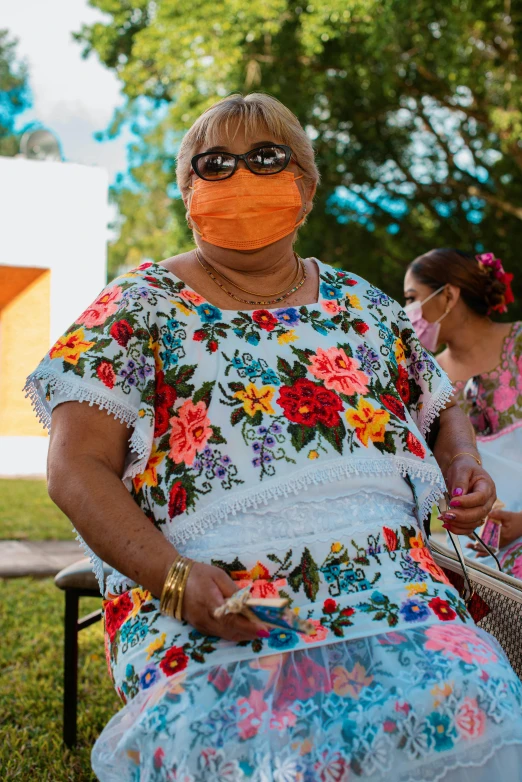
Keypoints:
pixel 494 599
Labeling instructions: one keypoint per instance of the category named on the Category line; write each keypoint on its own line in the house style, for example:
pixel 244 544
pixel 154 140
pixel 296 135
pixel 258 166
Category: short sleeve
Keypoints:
pixel 423 385
pixel 106 358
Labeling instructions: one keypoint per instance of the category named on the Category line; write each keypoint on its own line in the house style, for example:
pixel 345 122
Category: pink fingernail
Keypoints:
pixel 263 634
pixel 458 492
pixel 449 517
pixel 446 526
pixel 455 504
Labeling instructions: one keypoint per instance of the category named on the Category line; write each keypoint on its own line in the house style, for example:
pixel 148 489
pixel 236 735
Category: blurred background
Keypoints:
pixel 415 111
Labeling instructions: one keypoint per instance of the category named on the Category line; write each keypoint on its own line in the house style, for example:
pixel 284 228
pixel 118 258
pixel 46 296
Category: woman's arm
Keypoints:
pixel 470 486
pixel 86 460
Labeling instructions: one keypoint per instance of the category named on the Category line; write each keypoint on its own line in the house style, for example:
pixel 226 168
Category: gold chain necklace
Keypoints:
pixel 253 293
pixel 276 300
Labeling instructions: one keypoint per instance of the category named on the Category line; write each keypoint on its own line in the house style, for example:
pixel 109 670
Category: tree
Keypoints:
pixel 414 109
pixel 14 94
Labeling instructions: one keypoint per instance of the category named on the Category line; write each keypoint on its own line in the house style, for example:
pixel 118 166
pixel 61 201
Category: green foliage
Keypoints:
pixel 28 513
pixel 31 693
pixel 414 108
pixel 14 94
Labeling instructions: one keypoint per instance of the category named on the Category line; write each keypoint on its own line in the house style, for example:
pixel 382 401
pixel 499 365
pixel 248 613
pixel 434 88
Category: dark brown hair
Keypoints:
pixel 479 288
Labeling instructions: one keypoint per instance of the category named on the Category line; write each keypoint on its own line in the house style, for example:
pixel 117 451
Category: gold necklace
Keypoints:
pixel 257 303
pixel 253 293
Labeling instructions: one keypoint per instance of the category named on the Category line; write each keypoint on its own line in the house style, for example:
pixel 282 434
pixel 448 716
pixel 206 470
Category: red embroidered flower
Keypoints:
pixel 158 756
pixel 199 335
pixel 348 611
pixel 300 681
pixel 264 319
pixel 329 606
pixel 390 538
pixel 145 265
pixel 389 726
pixel 361 327
pixel 403 384
pixel 415 446
pixel 116 612
pixel 220 678
pixel 165 397
pixel 442 609
pixel 106 374
pixel 309 403
pixel 177 500
pixel 121 331
pixel 213 346
pixel 174 661
pixel 393 405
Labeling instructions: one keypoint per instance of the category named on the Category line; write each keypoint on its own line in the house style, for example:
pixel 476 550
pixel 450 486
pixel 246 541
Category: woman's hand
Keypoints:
pixel 473 493
pixel 510 530
pixel 207 588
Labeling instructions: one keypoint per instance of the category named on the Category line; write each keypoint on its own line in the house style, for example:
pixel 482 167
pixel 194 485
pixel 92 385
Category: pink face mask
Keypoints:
pixel 428 333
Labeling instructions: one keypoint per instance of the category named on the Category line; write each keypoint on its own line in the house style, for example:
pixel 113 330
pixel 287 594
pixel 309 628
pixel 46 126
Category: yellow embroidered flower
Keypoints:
pixel 141 413
pixel 156 645
pixel 181 307
pixel 150 475
pixel 313 455
pixel 139 596
pixel 441 693
pixel 417 541
pixel 399 352
pixel 154 346
pixel 354 302
pixel 287 336
pixel 336 547
pixel 416 589
pixel 71 346
pixel 350 683
pixel 368 421
pixel 255 399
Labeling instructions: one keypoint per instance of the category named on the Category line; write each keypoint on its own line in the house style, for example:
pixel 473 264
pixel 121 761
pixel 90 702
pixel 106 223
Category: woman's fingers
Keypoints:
pixel 467 511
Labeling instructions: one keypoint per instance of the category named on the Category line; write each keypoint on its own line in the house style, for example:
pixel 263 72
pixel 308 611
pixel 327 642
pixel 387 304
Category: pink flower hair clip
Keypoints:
pixel 489 260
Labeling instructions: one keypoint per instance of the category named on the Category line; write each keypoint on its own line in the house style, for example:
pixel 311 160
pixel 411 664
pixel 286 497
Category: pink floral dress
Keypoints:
pixel 287 447
pixel 493 402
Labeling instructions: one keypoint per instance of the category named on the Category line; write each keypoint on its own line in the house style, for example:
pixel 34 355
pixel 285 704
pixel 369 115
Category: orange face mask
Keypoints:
pixel 245 211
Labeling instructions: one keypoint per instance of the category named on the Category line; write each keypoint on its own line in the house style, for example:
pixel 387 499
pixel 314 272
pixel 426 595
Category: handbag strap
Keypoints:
pixel 468 588
pixel 488 549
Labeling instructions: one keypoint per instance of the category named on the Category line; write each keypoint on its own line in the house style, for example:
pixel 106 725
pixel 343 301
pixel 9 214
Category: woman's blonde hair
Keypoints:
pixel 256 113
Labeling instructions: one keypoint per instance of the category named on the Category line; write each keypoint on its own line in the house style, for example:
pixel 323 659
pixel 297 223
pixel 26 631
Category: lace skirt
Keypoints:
pixel 396 683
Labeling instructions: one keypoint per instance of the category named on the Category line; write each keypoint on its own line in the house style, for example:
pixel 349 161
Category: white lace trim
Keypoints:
pixel 191 526
pixel 435 404
pixel 80 391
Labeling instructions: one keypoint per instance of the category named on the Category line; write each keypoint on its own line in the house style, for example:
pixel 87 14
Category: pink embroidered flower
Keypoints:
pixel 190 432
pixel 319 634
pixel 332 307
pixel 338 371
pixel 104 306
pixel 261 587
pixel 250 714
pixel 459 641
pixel 281 720
pixel 470 719
pixel 423 558
pixel 505 397
pixel 192 297
pixel 512 561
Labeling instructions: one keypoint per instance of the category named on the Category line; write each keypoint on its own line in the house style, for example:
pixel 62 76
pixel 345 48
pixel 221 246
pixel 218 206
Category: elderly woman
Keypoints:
pixel 262 390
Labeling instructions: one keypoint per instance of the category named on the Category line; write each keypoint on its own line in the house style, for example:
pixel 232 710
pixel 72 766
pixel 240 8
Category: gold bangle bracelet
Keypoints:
pixel 181 590
pixel 465 453
pixel 166 592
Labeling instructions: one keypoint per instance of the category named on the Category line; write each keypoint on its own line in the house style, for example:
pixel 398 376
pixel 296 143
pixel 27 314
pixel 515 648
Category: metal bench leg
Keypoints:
pixel 70 667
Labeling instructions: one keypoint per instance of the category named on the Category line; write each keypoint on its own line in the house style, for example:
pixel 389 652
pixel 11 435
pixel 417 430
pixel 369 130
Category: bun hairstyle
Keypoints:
pixel 484 285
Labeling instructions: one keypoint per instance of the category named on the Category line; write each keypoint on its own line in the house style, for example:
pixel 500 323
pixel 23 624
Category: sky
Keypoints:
pixel 72 97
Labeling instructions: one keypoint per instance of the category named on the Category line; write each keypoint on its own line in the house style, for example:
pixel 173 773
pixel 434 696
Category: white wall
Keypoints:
pixel 54 216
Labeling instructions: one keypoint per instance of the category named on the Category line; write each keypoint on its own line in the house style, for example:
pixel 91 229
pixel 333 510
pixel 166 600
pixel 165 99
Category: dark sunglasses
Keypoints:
pixel 265 160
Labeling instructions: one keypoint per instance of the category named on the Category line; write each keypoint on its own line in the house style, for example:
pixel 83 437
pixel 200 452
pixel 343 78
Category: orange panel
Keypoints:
pixel 14 279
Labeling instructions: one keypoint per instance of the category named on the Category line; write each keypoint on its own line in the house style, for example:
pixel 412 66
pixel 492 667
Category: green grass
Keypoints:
pixel 31 686
pixel 28 513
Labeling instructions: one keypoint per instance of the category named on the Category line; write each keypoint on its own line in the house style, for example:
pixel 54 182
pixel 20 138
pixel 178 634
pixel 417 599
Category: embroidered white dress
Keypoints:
pixel 287 447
